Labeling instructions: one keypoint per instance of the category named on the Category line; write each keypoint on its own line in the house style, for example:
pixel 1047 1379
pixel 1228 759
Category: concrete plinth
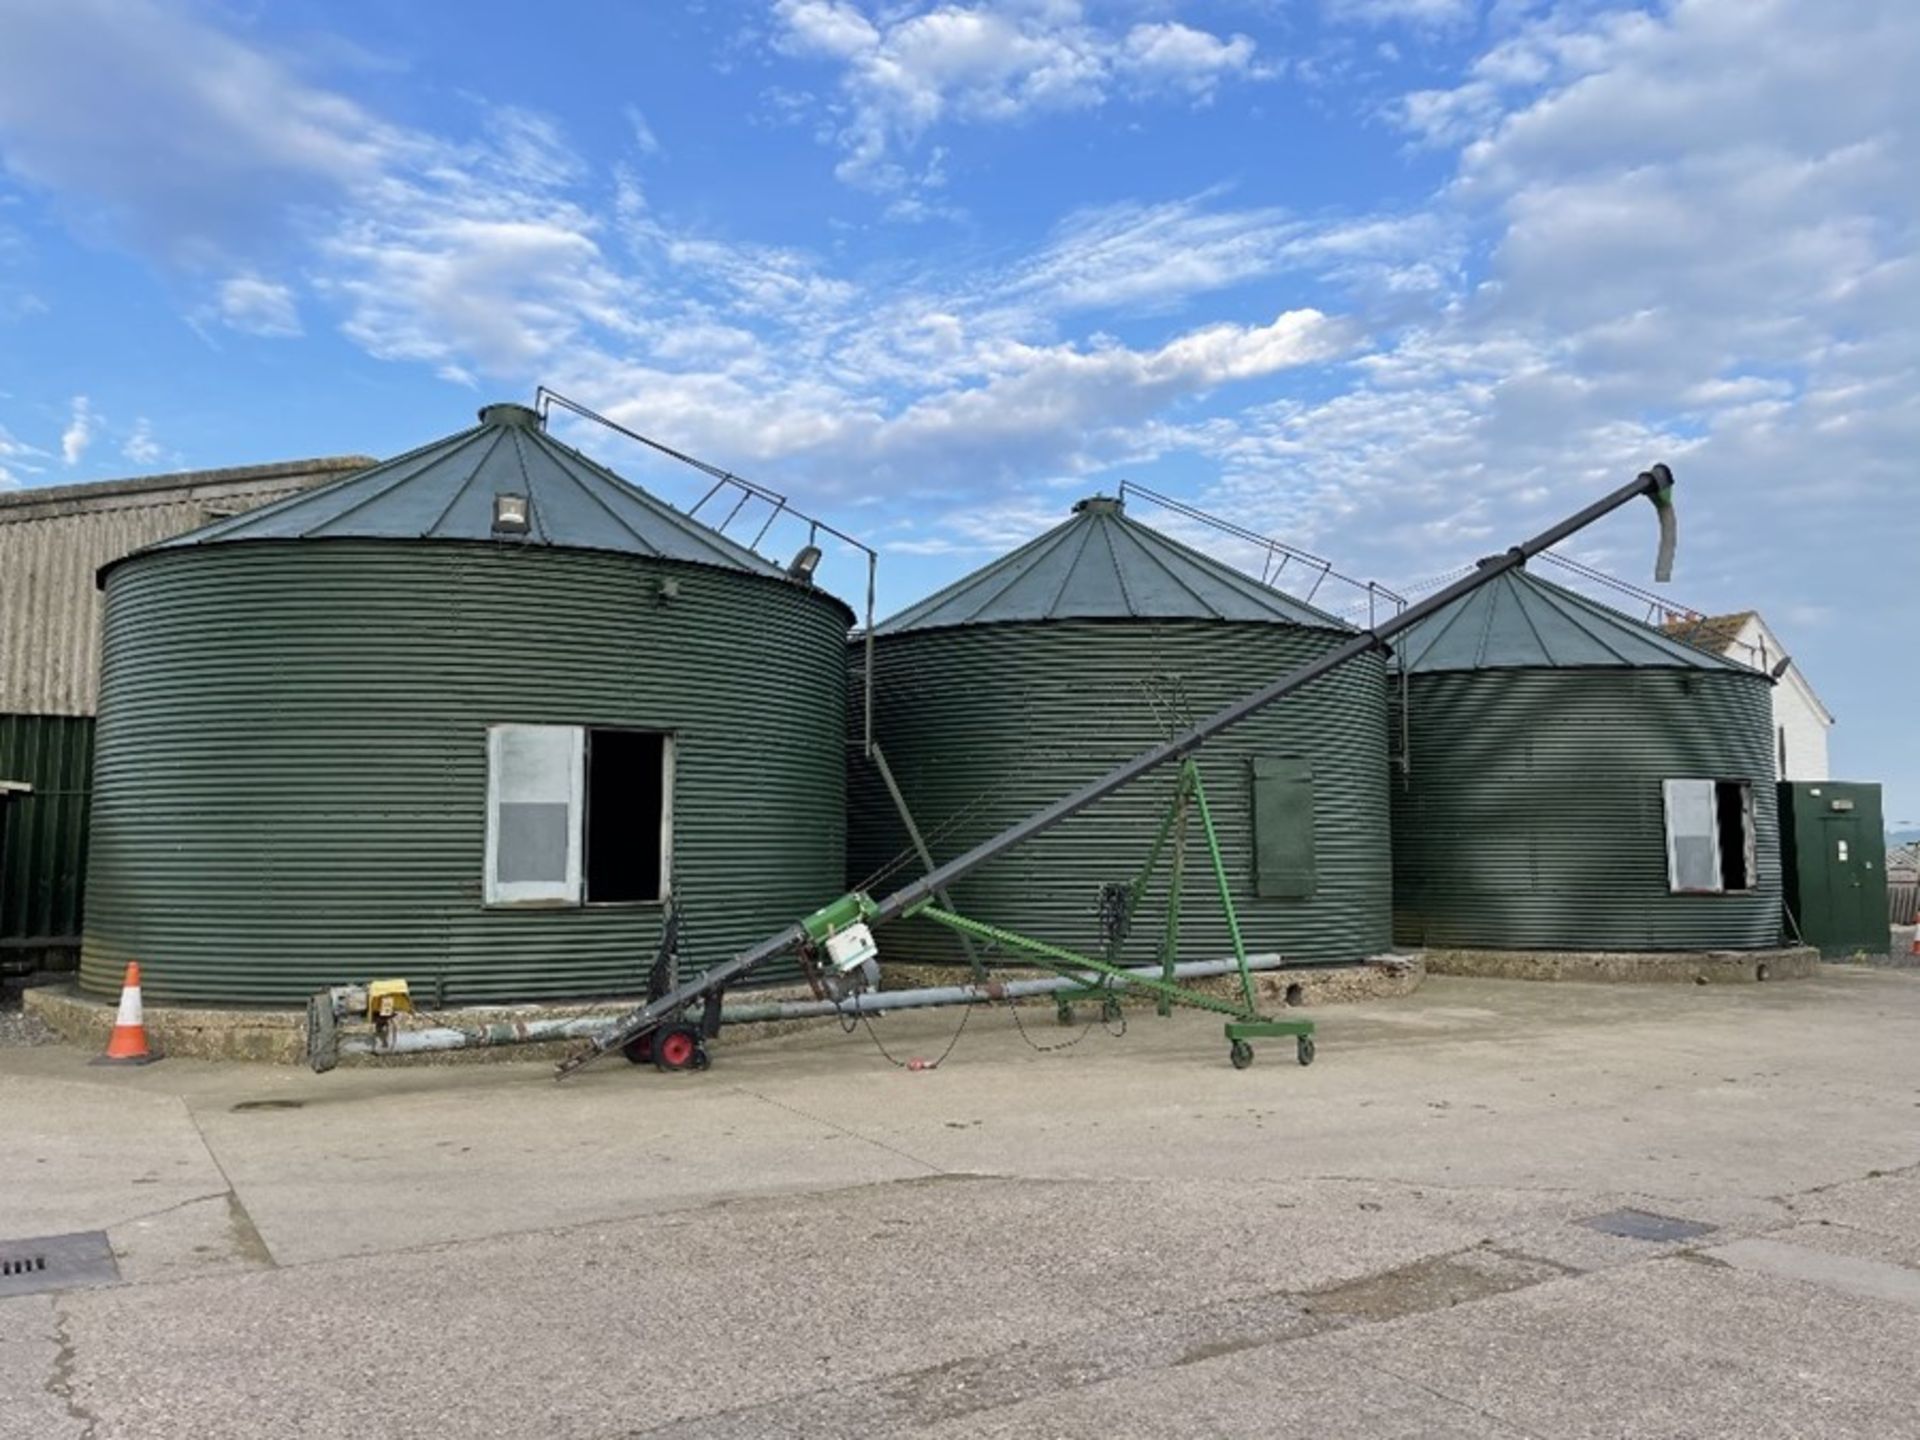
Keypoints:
pixel 1635 967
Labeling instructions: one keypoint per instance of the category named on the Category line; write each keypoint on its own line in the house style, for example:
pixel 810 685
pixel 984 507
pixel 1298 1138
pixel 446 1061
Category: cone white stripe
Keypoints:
pixel 129 1006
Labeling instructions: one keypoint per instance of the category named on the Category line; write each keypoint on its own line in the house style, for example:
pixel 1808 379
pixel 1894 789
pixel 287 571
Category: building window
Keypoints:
pixel 1710 839
pixel 1783 752
pixel 577 816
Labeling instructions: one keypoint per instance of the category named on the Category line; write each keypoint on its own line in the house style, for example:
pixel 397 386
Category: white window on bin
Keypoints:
pixel 1711 847
pixel 578 816
pixel 536 784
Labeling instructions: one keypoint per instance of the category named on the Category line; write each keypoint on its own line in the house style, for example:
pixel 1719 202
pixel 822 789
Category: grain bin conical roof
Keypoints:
pixel 1100 565
pixel 1520 621
pixel 445 491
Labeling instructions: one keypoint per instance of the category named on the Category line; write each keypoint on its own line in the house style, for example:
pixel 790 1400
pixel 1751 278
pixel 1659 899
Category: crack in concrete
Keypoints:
pixel 1453 1400
pixel 1899 1172
pixel 168 1209
pixel 1123 1347
pixel 248 1242
pixel 893 1150
pixel 59 1383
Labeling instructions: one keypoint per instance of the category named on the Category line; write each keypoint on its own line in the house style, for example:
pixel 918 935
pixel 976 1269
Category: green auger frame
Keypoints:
pixel 1245 1023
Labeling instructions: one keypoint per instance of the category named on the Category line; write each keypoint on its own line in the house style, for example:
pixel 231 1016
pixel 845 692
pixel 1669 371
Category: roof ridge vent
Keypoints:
pixel 1100 505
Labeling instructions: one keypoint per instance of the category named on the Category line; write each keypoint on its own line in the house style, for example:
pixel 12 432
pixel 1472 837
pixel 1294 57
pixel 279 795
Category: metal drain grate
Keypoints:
pixel 1630 1224
pixel 57 1262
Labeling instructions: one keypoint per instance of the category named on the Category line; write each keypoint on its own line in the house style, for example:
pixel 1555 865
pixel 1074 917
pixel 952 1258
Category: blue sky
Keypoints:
pixel 1398 280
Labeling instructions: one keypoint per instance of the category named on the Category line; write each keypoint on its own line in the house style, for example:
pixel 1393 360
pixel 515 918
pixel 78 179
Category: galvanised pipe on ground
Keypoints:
pixel 873 1002
pixel 532 1032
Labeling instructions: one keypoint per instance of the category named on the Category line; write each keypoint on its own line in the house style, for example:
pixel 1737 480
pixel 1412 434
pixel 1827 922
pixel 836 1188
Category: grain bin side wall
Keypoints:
pixel 1532 817
pixel 984 725
pixel 291 777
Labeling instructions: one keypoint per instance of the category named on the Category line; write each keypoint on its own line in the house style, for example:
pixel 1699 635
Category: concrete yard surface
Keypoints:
pixel 1438 1229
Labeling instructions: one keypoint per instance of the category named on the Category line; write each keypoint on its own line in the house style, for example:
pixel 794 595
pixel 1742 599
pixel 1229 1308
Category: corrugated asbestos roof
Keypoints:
pixel 445 491
pixel 1099 565
pixel 1520 621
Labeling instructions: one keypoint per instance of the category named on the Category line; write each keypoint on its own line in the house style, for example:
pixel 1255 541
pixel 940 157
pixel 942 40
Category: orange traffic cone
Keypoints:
pixel 128 1043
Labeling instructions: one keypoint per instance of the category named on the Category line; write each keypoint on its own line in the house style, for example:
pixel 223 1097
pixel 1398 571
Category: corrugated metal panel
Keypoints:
pixel 983 725
pixel 1519 620
pixel 43 835
pixel 52 541
pixel 1100 565
pixel 1532 816
pixel 291 762
pixel 445 491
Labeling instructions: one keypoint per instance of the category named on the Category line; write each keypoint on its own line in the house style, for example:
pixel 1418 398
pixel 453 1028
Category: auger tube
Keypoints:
pixel 1655 483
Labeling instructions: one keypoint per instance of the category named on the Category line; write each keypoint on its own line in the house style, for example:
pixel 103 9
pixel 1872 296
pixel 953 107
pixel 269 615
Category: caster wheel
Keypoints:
pixel 1241 1054
pixel 639 1050
pixel 1304 1049
pixel 675 1047
pixel 701 1060
pixel 1110 1010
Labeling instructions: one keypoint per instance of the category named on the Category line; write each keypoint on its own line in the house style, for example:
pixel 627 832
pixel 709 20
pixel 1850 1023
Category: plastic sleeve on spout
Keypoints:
pixel 1669 538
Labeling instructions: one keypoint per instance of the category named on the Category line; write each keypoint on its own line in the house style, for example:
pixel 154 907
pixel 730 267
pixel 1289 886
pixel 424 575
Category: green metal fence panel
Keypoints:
pixel 1283 866
pixel 43 836
pixel 1530 812
pixel 985 724
pixel 292 748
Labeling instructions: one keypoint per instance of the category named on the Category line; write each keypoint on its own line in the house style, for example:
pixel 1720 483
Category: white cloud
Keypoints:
pixel 145 121
pixel 140 447
pixel 78 435
pixel 1182 57
pixel 258 307
pixel 831 28
pixel 1703 247
pixel 998 61
pixel 24 458
pixel 1156 256
pixel 1410 12
pixel 644 140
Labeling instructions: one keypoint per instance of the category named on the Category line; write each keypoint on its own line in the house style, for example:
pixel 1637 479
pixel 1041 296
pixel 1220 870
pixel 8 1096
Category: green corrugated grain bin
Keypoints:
pixel 292 755
pixel 1040 672
pixel 1540 729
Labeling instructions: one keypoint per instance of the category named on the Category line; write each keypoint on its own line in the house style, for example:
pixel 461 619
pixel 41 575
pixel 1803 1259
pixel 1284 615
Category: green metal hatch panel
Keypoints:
pixel 1520 621
pixel 1100 565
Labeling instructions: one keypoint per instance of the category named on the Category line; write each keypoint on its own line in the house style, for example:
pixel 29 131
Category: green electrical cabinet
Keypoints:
pixel 1833 853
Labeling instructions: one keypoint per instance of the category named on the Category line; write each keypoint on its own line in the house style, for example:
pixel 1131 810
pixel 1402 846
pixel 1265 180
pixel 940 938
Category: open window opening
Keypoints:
pixel 627 816
pixel 1710 837
pixel 577 816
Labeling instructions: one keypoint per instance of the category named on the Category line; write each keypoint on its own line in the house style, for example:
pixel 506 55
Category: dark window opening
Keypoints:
pixel 1732 804
pixel 627 816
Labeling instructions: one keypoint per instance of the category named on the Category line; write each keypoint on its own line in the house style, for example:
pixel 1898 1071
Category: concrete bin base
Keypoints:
pixel 279 1036
pixel 1635 967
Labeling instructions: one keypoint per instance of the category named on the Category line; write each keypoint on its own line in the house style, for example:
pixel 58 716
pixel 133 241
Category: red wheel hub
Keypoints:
pixel 676 1049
